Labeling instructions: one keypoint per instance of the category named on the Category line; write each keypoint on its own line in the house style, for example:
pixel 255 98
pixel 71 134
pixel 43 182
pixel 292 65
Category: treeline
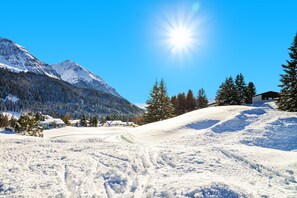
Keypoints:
pixel 235 92
pixel 93 120
pixel 183 103
pixel 160 106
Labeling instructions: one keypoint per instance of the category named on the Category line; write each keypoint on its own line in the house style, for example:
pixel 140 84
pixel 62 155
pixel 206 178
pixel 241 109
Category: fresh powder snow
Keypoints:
pixel 228 151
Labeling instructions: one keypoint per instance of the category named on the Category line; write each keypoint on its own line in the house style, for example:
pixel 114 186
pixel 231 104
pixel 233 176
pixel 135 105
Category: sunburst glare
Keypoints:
pixel 181 31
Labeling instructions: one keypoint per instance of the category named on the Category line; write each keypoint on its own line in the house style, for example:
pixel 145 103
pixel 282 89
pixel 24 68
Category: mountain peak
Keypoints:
pixel 75 74
pixel 68 61
pixel 17 58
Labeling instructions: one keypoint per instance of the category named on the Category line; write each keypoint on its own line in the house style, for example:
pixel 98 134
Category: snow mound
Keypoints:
pixel 280 134
pixel 239 122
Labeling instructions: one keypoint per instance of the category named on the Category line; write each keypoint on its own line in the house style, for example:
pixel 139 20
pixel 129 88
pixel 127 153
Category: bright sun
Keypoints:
pixel 180 31
pixel 180 39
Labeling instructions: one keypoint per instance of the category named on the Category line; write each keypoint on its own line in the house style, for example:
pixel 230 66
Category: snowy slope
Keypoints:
pixel 77 75
pixel 16 59
pixel 234 151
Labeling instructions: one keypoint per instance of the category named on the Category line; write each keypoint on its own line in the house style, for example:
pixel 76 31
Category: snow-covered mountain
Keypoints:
pixel 16 59
pixel 75 74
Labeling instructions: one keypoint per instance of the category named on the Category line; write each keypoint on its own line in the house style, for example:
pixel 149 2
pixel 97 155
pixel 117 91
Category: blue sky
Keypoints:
pixel 122 40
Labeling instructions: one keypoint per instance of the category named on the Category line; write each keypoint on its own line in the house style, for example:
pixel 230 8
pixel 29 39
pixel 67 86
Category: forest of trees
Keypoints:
pixel 183 103
pixel 40 93
pixel 231 92
pixel 160 106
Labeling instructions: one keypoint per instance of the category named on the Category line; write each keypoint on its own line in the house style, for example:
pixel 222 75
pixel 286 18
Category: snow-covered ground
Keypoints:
pixel 234 151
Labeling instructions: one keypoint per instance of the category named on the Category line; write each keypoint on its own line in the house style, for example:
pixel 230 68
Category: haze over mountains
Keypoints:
pixel 40 84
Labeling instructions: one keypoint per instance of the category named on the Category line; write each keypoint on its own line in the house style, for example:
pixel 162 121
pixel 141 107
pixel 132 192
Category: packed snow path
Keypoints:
pixel 215 152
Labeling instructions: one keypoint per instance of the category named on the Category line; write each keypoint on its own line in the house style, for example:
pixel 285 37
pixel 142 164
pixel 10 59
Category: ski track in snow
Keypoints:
pixel 215 152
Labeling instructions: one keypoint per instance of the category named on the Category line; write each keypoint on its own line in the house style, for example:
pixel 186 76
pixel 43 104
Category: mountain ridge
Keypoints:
pixel 58 89
pixel 17 58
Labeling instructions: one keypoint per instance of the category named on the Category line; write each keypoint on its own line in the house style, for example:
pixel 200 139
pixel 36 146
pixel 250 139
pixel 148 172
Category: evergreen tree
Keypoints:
pixel 84 121
pixel 167 109
pixel 66 119
pixel 250 92
pixel 202 100
pixel 94 121
pixel 181 104
pixel 288 94
pixel 227 93
pixel 152 108
pixel 159 106
pixel 241 88
pixel 27 124
pixel 107 118
pixel 174 103
pixel 221 95
pixel 4 122
pixel 191 101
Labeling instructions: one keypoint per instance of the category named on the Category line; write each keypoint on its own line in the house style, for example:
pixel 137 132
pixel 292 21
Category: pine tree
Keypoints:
pixel 66 119
pixel 241 88
pixel 4 121
pixel 202 100
pixel 159 106
pixel 250 92
pixel 27 124
pixel 152 107
pixel 288 94
pixel 174 103
pixel 167 109
pixel 221 95
pixel 181 104
pixel 84 121
pixel 191 101
pixel 227 93
pixel 93 121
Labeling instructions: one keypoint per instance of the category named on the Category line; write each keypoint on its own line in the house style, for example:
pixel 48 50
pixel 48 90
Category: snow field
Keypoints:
pixel 235 151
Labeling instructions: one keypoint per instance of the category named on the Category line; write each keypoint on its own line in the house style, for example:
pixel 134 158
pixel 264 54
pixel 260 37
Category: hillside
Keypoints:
pixel 41 93
pixel 232 151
